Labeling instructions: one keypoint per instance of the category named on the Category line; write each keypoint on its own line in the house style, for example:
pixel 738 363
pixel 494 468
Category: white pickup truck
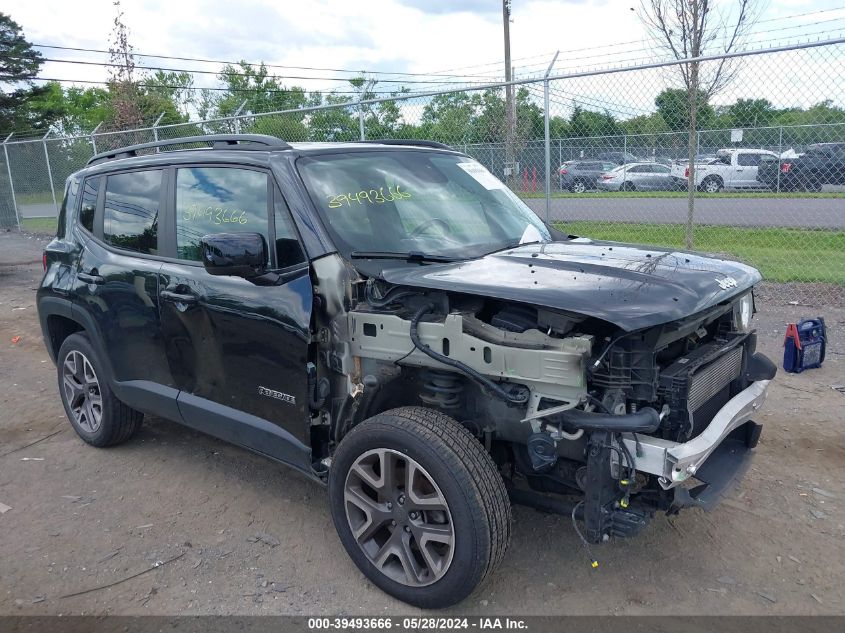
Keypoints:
pixel 731 169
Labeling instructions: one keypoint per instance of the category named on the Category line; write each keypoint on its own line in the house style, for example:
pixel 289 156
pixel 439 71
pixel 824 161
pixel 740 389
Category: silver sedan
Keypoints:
pixel 638 177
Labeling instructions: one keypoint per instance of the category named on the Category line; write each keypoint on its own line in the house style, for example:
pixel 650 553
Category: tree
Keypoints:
pixel 588 123
pixel 174 92
pixel 19 64
pixel 688 29
pixel 451 117
pixel 673 106
pixel 123 88
pixel 750 113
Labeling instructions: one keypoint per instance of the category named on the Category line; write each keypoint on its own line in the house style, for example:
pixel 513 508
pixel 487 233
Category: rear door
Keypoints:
pixel 116 283
pixel 238 351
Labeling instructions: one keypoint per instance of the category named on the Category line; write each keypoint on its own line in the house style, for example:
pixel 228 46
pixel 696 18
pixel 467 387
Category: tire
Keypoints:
pixel 454 471
pixel 579 186
pixel 627 186
pixel 711 184
pixel 85 392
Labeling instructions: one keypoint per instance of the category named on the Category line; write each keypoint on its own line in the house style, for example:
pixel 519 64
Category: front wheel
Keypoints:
pixel 578 187
pixel 419 506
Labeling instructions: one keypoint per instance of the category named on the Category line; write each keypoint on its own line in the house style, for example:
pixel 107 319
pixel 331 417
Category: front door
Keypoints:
pixel 238 351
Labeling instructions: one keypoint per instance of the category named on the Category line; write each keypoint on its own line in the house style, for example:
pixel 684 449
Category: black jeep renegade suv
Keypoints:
pixel 391 320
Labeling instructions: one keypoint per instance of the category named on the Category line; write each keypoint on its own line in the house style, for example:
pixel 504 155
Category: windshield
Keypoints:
pixel 402 201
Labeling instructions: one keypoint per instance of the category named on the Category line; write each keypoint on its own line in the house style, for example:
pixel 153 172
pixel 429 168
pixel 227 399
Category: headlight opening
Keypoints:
pixel 743 312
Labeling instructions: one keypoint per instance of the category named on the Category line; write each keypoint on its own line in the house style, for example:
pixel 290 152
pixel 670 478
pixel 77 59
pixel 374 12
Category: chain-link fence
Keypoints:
pixel 604 154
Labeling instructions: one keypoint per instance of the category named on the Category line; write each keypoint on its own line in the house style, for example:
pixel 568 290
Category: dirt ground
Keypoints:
pixel 218 530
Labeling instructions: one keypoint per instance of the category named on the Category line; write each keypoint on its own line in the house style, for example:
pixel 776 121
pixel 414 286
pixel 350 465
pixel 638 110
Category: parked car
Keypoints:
pixel 638 176
pixel 732 169
pixel 580 175
pixel 822 164
pixel 618 158
pixel 388 319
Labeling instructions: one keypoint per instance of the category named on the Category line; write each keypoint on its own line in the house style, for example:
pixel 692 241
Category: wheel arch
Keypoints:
pixel 60 318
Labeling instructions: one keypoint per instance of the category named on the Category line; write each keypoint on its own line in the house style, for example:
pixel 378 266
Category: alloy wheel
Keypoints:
pixel 82 391
pixel 579 187
pixel 399 517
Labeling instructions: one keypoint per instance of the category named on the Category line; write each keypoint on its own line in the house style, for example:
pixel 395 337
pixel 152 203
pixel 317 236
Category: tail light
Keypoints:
pixel 686 173
pixel 607 176
pixel 44 260
pixel 563 172
pixel 785 167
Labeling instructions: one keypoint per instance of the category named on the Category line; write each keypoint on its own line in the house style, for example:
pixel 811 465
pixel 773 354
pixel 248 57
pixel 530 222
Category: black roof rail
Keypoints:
pixel 218 141
pixel 408 141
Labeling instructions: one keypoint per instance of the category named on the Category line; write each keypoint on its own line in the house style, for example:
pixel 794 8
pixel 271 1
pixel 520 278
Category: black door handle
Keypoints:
pixel 176 297
pixel 88 278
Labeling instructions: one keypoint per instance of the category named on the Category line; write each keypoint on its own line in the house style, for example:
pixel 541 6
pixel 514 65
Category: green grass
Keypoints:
pixel 39 225
pixel 682 194
pixel 41 197
pixel 781 254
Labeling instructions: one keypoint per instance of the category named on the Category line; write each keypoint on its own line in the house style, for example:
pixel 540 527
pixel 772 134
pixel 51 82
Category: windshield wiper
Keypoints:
pixel 410 256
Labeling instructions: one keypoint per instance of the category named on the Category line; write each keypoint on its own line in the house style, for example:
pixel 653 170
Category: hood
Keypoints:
pixel 631 287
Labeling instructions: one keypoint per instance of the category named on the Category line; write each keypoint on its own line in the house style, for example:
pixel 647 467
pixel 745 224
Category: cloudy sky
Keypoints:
pixel 454 41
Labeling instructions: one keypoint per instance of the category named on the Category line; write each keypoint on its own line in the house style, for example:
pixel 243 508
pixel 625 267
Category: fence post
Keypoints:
pixel 236 115
pixel 780 151
pixel 155 128
pixel 547 138
pixel 50 171
pixel 93 137
pixel 11 183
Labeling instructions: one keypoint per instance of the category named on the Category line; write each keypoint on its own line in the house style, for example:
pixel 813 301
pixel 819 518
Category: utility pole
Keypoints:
pixel 509 106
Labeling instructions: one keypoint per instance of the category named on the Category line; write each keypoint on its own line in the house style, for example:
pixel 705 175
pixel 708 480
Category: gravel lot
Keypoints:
pixel 217 530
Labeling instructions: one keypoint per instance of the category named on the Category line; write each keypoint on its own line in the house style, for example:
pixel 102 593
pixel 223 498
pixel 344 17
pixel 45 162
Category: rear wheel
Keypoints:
pixel 96 415
pixel 711 184
pixel 579 186
pixel 628 186
pixel 419 506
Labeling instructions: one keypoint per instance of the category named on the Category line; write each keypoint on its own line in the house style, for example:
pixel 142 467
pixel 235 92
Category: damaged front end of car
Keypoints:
pixel 587 413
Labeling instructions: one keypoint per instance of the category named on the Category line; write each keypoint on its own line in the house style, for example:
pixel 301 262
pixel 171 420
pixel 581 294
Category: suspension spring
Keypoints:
pixel 441 389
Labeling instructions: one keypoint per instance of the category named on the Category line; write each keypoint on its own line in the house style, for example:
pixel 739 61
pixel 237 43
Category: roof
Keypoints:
pixel 248 142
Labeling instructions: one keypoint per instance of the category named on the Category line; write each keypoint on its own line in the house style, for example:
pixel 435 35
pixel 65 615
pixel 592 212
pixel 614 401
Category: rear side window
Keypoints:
pixel 68 205
pixel 90 190
pixel 748 160
pixel 130 216
pixel 218 200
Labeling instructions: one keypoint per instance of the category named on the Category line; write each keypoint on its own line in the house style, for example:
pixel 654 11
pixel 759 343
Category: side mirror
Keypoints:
pixel 236 254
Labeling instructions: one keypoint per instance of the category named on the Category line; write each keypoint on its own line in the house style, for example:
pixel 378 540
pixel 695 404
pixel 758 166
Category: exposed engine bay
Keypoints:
pixel 581 416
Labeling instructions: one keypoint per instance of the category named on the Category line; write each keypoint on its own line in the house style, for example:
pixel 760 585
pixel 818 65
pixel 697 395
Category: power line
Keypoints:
pixel 638 50
pixel 251 64
pixel 216 89
pixel 242 74
pixel 639 41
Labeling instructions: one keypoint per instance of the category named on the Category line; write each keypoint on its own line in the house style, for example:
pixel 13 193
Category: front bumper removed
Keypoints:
pixel 716 457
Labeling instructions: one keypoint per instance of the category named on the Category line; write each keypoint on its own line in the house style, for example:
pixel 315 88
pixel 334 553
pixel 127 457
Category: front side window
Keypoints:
pixel 90 190
pixel 130 214
pixel 218 200
pixel 288 249
pixel 400 201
